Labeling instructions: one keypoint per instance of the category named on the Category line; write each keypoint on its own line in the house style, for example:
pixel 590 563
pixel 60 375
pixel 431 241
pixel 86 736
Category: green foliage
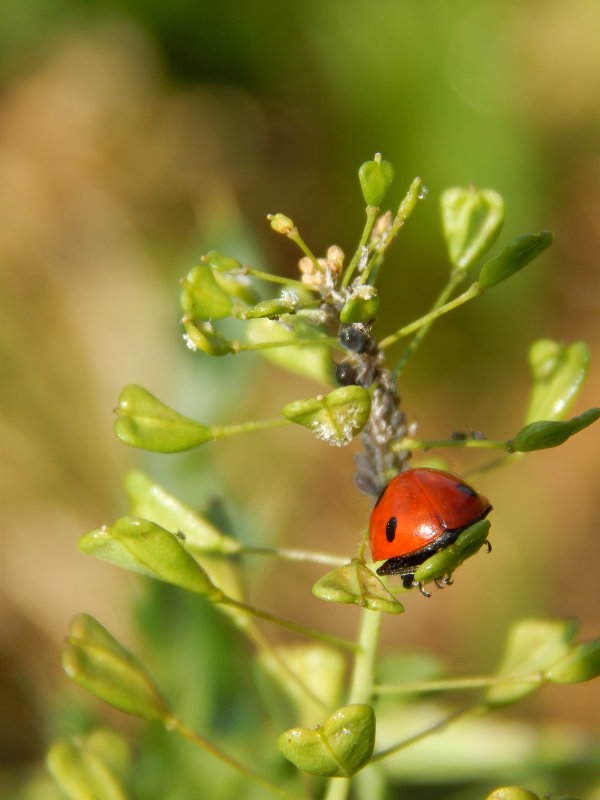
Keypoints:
pixel 320 326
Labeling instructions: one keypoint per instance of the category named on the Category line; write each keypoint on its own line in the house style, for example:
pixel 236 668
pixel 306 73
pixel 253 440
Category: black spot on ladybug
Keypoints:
pixel 390 529
pixel 466 489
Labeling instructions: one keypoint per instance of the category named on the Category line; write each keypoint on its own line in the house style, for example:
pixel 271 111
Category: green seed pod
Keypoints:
pixel 80 772
pixel 202 298
pixel 581 664
pixel 448 560
pixel 281 224
pixel 287 303
pixel 95 659
pixel 361 306
pixel 544 434
pixel 512 793
pixel 355 583
pixel 202 336
pixel 516 255
pixel 335 417
pixel 375 179
pixel 559 372
pixel 339 748
pixel 471 220
pixel 143 421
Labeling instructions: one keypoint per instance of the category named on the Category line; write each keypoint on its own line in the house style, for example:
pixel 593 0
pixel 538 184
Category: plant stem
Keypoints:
pixel 453 684
pixel 209 747
pixel 294 235
pixel 406 208
pixel 473 291
pixel 428 444
pixel 315 341
pixel 438 726
pixel 455 278
pixel 220 431
pixel 372 212
pixel 266 276
pixel 361 688
pixel 295 555
pixel 343 644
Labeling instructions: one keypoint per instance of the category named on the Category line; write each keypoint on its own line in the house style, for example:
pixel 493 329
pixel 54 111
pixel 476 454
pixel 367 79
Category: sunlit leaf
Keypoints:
pixel 355 583
pixel 471 220
pixel 335 417
pixel 558 372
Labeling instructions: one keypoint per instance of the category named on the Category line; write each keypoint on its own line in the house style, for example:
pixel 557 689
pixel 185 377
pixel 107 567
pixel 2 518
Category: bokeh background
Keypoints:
pixel 137 134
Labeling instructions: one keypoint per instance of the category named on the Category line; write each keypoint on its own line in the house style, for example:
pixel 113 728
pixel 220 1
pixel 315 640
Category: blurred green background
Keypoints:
pixel 137 134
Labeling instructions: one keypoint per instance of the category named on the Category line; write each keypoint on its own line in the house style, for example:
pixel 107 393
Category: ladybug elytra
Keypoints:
pixel 420 512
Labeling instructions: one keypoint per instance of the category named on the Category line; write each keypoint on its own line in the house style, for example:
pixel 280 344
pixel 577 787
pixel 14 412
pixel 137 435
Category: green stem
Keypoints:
pixel 209 747
pixel 361 688
pixel 295 555
pixel 473 291
pixel 329 341
pixel 438 726
pixel 454 684
pixel 372 212
pixel 429 444
pixel 406 208
pixel 343 644
pixel 220 431
pixel 266 276
pixel 294 235
pixel 454 281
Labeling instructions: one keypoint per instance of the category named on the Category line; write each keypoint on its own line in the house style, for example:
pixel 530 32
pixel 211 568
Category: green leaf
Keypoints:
pixel 361 306
pixel 375 179
pixel 558 372
pixel 512 793
pixel 581 664
pixel 448 560
pixel 471 220
pixel 335 417
pixel 355 583
pixel 532 647
pixel 80 773
pixel 287 303
pixel 339 748
pixel 153 502
pixel 202 336
pixel 202 298
pixel 312 362
pixel 516 255
pixel 141 546
pixel 551 433
pixel 143 421
pixel 93 658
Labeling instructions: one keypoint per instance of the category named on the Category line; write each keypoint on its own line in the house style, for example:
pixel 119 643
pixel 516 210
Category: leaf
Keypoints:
pixel 141 546
pixel 551 433
pixel 558 372
pixel 202 298
pixel 339 748
pixel 355 583
pixel 143 421
pixel 532 647
pixel 471 220
pixel 375 179
pixel 516 255
pixel 312 362
pixel 335 417
pixel 94 658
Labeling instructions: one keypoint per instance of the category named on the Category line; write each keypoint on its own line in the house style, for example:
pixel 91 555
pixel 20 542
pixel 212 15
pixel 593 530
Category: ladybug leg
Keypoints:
pixel 422 589
pixel 488 545
pixel 407 580
pixel 445 581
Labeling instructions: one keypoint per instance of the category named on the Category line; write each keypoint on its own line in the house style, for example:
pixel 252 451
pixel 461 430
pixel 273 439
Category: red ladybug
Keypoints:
pixel 420 512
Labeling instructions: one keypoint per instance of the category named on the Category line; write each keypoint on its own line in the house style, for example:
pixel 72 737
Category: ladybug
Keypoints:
pixel 420 512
